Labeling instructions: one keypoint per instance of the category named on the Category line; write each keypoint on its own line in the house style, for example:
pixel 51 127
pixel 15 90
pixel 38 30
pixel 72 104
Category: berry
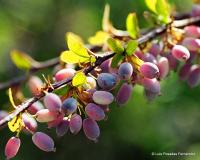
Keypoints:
pixel 45 115
pixel 94 112
pixel 124 93
pixel 62 128
pixel 35 84
pixel 125 70
pixel 180 52
pixel 12 147
pixel 29 122
pixel 163 65
pixel 194 76
pixel 91 129
pixel 149 70
pixel 52 102
pixel 69 105
pixel 103 97
pixel 106 80
pixel 192 31
pixel 43 142
pixel 184 71
pixel 35 107
pixel 66 73
pixel 192 44
pixel 75 123
pixel 151 85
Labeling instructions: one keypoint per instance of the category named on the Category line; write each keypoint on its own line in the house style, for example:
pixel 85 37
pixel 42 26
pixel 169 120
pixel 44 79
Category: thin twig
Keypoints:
pixel 152 34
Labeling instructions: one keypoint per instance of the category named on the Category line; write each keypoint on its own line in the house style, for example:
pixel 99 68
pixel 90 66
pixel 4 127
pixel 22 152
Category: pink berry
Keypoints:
pixel 163 65
pixel 66 73
pixel 194 76
pixel 94 112
pixel 149 70
pixel 45 115
pixel 12 147
pixel 35 84
pixel 29 122
pixel 192 31
pixel 35 107
pixel 180 53
pixel 192 44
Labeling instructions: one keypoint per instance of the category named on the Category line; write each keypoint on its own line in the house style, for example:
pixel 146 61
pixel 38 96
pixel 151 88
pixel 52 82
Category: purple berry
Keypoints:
pixel 192 44
pixel 125 70
pixel 163 65
pixel 194 76
pixel 35 107
pixel 52 102
pixel 106 80
pixel 94 112
pixel 75 123
pixel 124 93
pixel 69 105
pixel 62 127
pixel 43 142
pixel 91 129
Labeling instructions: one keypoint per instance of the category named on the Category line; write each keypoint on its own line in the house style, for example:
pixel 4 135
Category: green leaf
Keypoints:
pixel 70 57
pixel 132 25
pixel 116 59
pixel 21 60
pixel 99 38
pixel 115 45
pixel 163 11
pixel 76 45
pixel 151 4
pixel 79 79
pixel 131 47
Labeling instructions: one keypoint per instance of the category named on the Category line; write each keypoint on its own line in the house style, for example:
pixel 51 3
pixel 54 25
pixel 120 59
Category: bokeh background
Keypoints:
pixel 169 124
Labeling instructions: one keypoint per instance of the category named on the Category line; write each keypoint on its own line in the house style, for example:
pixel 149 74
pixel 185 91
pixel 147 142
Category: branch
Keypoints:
pixel 145 38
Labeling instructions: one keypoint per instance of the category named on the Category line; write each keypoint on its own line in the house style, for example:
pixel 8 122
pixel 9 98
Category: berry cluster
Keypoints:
pixel 83 106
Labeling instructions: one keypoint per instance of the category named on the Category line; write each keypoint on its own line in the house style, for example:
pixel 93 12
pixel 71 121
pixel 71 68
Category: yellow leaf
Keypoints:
pixel 79 79
pixel 99 38
pixel 21 60
pixel 15 124
pixel 132 25
pixel 151 4
pixel 11 97
pixel 70 57
pixel 136 62
pixel 76 45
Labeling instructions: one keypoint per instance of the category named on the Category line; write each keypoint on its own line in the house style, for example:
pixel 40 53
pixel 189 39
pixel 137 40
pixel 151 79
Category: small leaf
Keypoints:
pixel 106 19
pixel 21 60
pixel 151 4
pixel 11 97
pixel 99 38
pixel 15 124
pixel 79 79
pixel 116 59
pixel 70 57
pixel 163 11
pixel 131 47
pixel 115 45
pixel 76 45
pixel 132 25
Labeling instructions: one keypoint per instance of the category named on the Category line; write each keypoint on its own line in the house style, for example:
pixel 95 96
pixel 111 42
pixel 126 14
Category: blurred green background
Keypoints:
pixel 168 124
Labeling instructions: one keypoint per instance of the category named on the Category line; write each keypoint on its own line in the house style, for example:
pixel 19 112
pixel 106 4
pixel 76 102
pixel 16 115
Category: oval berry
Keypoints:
pixel 94 112
pixel 75 123
pixel 12 147
pixel 103 97
pixel 43 142
pixel 52 102
pixel 149 70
